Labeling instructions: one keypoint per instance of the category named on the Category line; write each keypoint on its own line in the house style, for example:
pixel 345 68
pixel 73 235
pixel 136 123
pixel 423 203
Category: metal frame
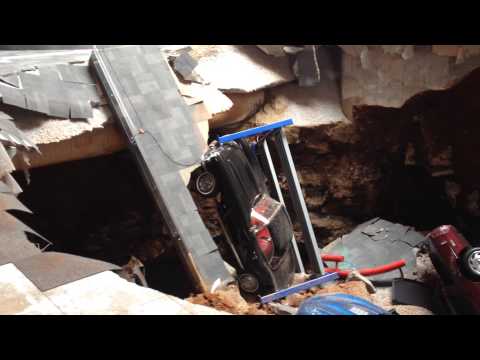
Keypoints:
pixel 276 133
pixel 300 287
pixel 273 177
pixel 296 196
pixel 255 131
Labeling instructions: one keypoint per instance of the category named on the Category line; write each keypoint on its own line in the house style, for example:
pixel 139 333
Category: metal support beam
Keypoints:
pixel 298 201
pixel 273 177
pixel 255 131
pixel 300 287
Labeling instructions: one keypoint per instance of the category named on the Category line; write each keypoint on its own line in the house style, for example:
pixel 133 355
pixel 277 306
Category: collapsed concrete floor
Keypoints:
pixel 414 164
pixel 411 165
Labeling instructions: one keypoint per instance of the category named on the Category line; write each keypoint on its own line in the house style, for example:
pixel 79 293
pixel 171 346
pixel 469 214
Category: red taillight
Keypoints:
pixel 264 241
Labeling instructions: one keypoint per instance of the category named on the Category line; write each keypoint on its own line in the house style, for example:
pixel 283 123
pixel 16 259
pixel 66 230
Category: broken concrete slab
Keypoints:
pixel 386 246
pixel 244 106
pixel 116 297
pixel 240 68
pixel 102 294
pixel 185 65
pixel 309 107
pixel 171 305
pixel 97 142
pixel 214 100
pixel 20 297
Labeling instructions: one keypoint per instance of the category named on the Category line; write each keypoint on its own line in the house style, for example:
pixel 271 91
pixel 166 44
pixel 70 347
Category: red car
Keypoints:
pixel 458 263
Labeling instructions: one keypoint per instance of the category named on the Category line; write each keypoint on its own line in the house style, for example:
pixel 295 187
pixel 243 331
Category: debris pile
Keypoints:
pixel 229 300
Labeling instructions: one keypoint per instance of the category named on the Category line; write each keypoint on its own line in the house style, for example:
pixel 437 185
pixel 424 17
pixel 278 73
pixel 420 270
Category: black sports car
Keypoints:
pixel 258 229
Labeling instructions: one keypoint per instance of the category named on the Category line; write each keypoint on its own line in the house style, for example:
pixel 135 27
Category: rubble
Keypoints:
pixel 228 300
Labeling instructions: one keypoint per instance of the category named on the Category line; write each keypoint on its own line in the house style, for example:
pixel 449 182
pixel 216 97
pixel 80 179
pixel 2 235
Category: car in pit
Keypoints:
pixel 257 227
pixel 458 264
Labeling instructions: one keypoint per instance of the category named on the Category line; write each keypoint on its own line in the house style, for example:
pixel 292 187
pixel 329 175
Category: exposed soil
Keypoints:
pixel 414 165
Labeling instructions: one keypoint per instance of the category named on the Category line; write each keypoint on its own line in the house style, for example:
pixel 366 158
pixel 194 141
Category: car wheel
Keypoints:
pixel 248 283
pixel 470 261
pixel 206 184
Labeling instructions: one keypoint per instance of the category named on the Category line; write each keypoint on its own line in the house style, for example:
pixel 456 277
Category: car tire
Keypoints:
pixel 248 283
pixel 206 184
pixel 470 263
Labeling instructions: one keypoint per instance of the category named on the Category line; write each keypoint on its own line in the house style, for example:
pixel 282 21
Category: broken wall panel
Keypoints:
pixel 152 113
